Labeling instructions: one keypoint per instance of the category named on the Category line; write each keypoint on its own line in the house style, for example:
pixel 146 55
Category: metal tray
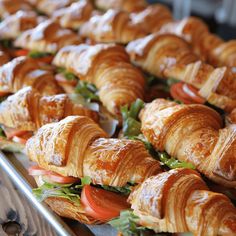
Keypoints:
pixel 16 165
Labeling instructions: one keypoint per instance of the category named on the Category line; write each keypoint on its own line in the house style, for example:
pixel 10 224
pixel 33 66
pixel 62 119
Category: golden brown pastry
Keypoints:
pixel 179 201
pixel 4 56
pixel 12 26
pixel 22 72
pixel 232 116
pixel 152 18
pixel 208 46
pixel 113 26
pixel 8 7
pixel 78 147
pixel 48 36
pixel 108 68
pixel 48 7
pixel 74 15
pixel 169 56
pixel 27 110
pixel 192 133
pixel 125 5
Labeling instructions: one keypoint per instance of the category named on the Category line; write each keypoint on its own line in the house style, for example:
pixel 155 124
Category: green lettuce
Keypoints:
pixel 126 190
pixel 36 54
pixel 68 75
pixel 131 123
pixel 87 90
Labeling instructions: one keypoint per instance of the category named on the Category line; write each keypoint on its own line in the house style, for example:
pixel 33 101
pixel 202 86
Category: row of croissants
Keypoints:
pixel 128 116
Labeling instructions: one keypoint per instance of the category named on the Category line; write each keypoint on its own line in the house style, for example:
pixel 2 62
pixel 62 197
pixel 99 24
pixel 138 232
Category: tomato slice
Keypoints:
pixel 186 93
pixel 57 178
pixel 102 204
pixel 37 170
pixel 21 52
pixel 22 138
pixel 11 132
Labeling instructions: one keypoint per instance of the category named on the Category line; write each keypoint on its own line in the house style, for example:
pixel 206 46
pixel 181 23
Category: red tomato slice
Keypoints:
pixel 23 138
pixel 193 93
pixel 102 204
pixel 36 170
pixel 10 132
pixel 186 93
pixel 57 178
pixel 21 52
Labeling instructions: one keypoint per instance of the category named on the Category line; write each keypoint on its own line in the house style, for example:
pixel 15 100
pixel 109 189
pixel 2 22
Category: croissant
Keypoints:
pixel 209 46
pixel 9 7
pixel 113 26
pixel 179 201
pixel 48 36
pixel 28 110
pixel 78 147
pixel 22 72
pixel 12 26
pixel 168 56
pixel 125 5
pixel 192 133
pixel 74 15
pixel 108 67
pixel 4 57
pixel 48 7
pixel 152 18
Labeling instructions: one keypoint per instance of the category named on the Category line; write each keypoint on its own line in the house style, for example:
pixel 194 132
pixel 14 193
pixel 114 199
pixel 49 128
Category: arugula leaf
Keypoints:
pixel 87 90
pixel 123 190
pixel 172 81
pixel 36 54
pixel 131 124
pixel 173 163
pixel 57 190
pixel 84 181
pixel 68 75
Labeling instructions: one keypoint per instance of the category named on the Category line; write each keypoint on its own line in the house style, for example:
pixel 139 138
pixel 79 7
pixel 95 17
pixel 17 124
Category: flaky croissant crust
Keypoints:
pixel 76 146
pixel 28 110
pixel 179 201
pixel 113 26
pixel 192 133
pixel 108 68
pixel 22 72
pixel 48 36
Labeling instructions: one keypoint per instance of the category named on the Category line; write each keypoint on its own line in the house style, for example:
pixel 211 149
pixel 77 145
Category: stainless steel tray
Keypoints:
pixel 16 165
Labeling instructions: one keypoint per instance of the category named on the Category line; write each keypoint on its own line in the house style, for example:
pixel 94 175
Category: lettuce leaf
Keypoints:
pixel 87 90
pixel 68 75
pixel 36 54
pixel 131 123
pixel 126 190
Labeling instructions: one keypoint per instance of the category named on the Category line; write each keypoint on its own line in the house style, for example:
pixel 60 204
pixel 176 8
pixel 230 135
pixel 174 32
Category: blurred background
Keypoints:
pixel 220 15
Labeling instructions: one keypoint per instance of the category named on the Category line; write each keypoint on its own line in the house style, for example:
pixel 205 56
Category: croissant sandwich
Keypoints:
pixel 192 133
pixel 77 147
pixel 152 18
pixel 47 37
pixel 125 5
pixel 209 46
pixel 113 26
pixel 12 26
pixel 179 201
pixel 108 68
pixel 48 7
pixel 168 56
pixel 9 7
pixel 22 72
pixel 27 110
pixel 74 15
